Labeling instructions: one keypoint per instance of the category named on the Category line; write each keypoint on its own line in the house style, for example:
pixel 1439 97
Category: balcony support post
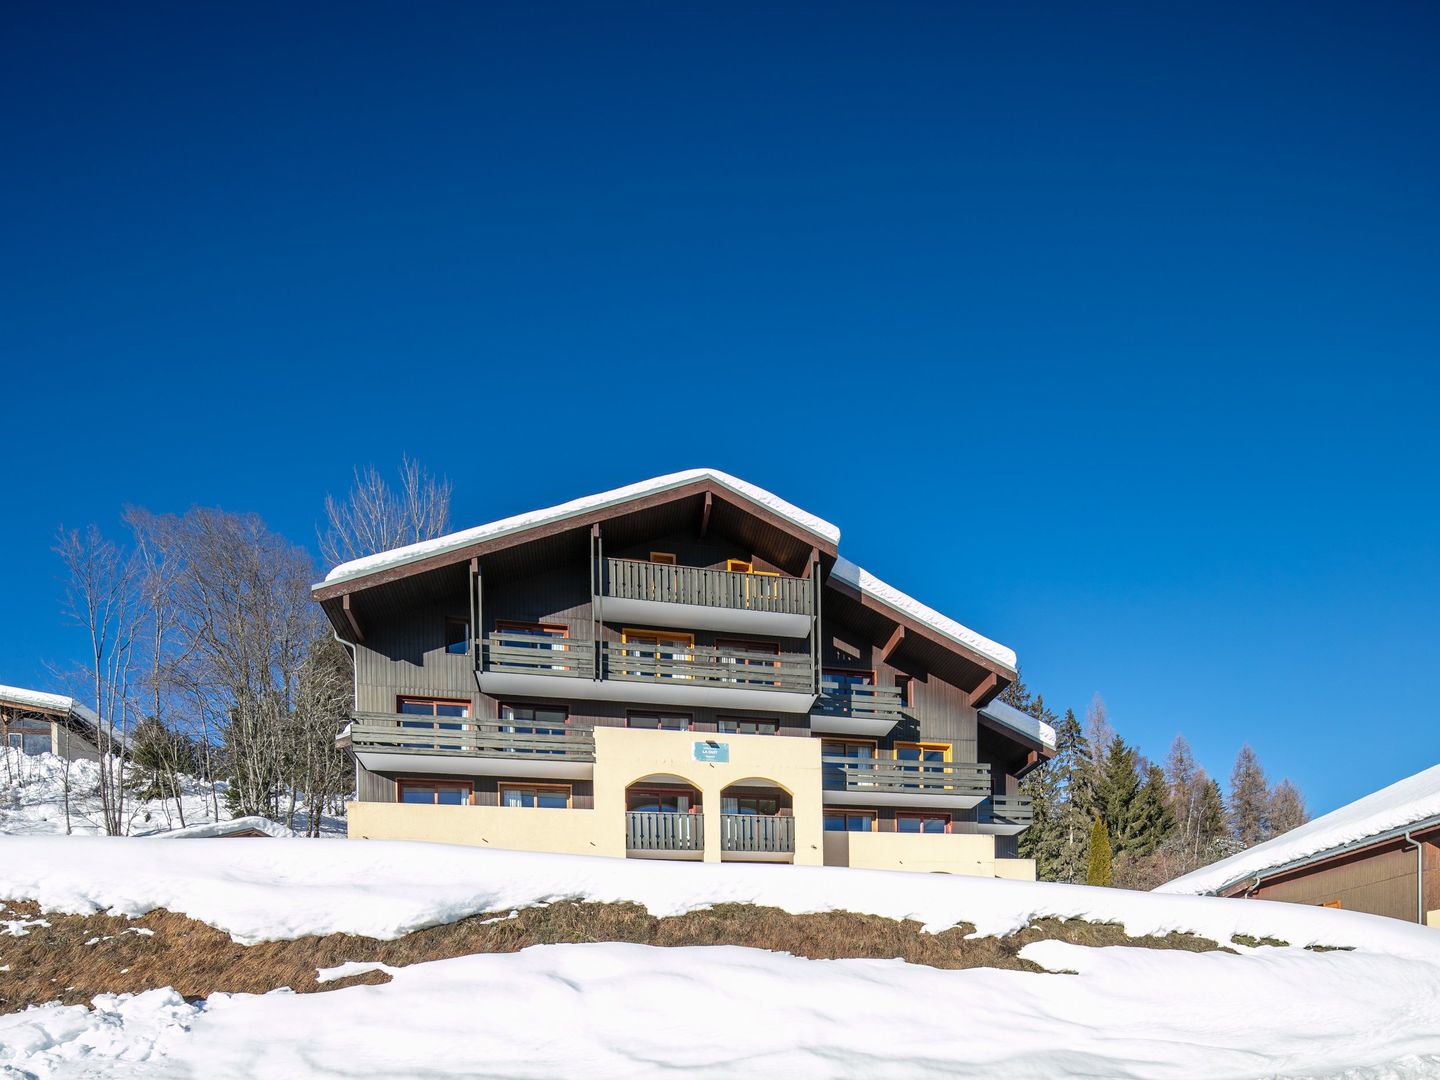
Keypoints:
pixel 813 570
pixel 597 592
pixel 475 613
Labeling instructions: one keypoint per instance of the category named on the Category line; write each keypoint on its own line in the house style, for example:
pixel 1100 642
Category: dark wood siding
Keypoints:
pixel 1379 880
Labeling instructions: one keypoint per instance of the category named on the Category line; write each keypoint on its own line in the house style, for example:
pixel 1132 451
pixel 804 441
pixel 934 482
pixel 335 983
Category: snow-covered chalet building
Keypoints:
pixel 685 668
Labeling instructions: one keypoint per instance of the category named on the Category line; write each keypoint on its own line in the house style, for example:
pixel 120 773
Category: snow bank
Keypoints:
pixel 520 522
pixel 1411 801
pixel 288 888
pixel 866 582
pixel 615 1010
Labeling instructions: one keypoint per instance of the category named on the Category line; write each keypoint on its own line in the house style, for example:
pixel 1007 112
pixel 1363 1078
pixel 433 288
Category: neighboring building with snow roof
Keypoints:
pixel 635 655
pixel 35 722
pixel 1379 854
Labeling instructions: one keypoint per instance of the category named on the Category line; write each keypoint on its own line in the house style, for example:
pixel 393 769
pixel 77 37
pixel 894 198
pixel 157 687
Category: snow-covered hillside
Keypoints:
pixel 608 1009
pixel 32 801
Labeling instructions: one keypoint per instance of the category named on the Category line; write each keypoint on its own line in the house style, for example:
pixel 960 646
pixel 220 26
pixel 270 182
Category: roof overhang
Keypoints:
pixel 1245 882
pixel 579 514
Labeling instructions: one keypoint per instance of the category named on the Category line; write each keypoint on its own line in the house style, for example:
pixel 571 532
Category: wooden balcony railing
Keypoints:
pixel 629 579
pixel 728 667
pixel 650 831
pixel 859 702
pixel 391 732
pixel 535 654
pixel 1008 810
pixel 889 776
pixel 757 832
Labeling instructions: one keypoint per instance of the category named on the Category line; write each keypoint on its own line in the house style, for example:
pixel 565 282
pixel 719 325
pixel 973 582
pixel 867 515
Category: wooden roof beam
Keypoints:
pixel 349 613
pixel 892 644
pixel 705 514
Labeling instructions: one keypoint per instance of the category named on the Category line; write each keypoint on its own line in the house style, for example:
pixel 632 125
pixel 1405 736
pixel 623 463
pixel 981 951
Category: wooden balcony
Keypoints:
pixel 886 781
pixel 657 835
pixel 856 710
pixel 1006 815
pixel 757 834
pixel 686 597
pixel 458 745
pixel 646 672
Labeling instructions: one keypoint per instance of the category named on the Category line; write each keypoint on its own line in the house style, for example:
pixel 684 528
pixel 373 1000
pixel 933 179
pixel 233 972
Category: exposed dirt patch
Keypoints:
pixel 76 957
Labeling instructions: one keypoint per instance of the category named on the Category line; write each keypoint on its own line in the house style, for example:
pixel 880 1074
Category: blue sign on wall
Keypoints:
pixel 712 751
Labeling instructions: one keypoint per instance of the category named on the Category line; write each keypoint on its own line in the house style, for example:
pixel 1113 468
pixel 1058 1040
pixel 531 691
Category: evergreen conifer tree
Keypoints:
pixel 1098 868
pixel 1119 789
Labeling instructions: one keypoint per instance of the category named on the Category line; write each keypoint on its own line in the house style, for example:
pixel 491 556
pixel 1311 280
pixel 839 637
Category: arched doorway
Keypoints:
pixel 757 822
pixel 664 819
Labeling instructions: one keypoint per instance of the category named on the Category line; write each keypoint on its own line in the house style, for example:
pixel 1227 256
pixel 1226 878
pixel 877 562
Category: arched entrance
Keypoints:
pixel 757 822
pixel 664 819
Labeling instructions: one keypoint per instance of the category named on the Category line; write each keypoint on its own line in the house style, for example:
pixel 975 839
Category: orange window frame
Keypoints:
pixel 663 558
pixel 846 812
pixel 555 629
pixel 421 781
pixel 411 699
pixel 947 748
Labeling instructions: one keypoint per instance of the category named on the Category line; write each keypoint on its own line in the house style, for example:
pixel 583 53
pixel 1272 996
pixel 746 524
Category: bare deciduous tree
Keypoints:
pixel 375 517
pixel 102 596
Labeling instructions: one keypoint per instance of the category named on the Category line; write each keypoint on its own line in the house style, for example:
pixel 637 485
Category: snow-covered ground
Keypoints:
pixel 32 801
pixel 603 1010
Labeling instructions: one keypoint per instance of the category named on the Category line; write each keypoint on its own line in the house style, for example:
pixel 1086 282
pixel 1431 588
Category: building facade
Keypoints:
pixel 686 669
pixel 35 722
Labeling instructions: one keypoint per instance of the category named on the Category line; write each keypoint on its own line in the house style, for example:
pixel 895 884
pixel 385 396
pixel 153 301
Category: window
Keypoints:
pixel 511 637
pixel 850 821
pixel 644 800
pixel 457 636
pixel 534 720
pixel 658 721
pixel 837 775
pixel 1332 904
pixel 908 822
pixel 434 792
pixel 843 678
pixel 550 797
pixel 750 804
pixel 736 726
pixel 757 660
pixel 936 753
pixel 29 741
pixel 665 557
pixel 739 566
pixel 658 652
pixel 433 708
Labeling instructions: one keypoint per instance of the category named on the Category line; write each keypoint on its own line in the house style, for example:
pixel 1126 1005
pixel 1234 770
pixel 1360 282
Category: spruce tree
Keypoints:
pixel 1152 821
pixel 1098 868
pixel 1119 789
pixel 1249 800
pixel 1077 799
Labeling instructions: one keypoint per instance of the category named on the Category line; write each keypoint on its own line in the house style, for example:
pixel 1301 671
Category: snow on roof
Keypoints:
pixel 37 699
pixel 520 522
pixel 1022 722
pixel 1390 810
pixel 226 828
pixel 870 585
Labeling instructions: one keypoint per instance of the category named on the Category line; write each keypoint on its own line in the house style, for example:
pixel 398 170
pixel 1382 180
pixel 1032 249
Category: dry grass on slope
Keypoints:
pixel 76 957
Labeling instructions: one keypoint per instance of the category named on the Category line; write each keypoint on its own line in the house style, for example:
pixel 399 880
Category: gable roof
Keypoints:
pixel 20 698
pixel 1391 811
pixel 355 569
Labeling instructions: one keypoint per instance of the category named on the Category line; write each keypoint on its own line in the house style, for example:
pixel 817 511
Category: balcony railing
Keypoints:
pixel 857 702
pixel 696 665
pixel 888 776
pixel 664 832
pixel 393 733
pixel 1008 810
pixel 767 833
pixel 535 654
pixel 629 579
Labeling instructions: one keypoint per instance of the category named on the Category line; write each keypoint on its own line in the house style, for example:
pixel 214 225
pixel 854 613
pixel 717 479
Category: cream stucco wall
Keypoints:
pixel 1432 918
pixel 624 756
pixel 1015 869
pixel 564 832
pixel 947 853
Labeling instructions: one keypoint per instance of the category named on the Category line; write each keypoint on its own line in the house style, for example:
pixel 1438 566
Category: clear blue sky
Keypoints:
pixel 1110 331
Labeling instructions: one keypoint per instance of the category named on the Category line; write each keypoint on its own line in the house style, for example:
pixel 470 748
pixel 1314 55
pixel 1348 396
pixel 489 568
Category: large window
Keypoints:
pixel 849 821
pixel 434 792
pixel 443 716
pixel 732 725
pixel 655 721
pixel 833 774
pixel 750 804
pixel 662 800
pixel 541 637
pixel 923 757
pixel 552 796
pixel 844 678
pixel 908 822
pixel 535 720
pixel 657 653
pixel 29 740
